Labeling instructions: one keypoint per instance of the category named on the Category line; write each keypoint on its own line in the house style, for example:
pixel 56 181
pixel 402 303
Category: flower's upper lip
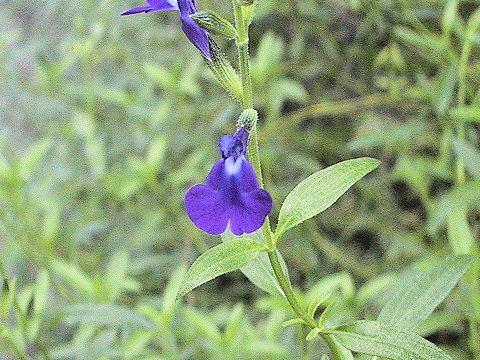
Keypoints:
pixel 196 35
pixel 234 145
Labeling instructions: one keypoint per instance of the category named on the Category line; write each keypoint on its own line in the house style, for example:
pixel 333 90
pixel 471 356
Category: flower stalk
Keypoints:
pixel 243 57
pixel 254 156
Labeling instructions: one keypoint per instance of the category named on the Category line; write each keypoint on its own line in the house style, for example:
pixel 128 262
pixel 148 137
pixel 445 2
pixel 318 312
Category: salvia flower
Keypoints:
pixel 231 193
pixel 197 35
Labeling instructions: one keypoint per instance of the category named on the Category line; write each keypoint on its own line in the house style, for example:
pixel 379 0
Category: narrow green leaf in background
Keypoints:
pixel 469 155
pixel 444 91
pixel 221 259
pixel 418 292
pixel 459 234
pixel 377 339
pixel 170 292
pixel 32 157
pixel 105 315
pixel 460 196
pixel 320 190
pixel 74 276
pixel 39 298
pixel 115 275
pixel 449 16
pixel 469 113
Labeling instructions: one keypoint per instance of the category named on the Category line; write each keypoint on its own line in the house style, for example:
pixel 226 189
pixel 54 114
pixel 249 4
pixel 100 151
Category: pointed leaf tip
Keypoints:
pixel 320 190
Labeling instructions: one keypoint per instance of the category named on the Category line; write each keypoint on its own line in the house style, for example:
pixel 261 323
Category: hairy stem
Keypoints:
pixel 243 57
pixel 287 289
pixel 472 275
pixel 254 156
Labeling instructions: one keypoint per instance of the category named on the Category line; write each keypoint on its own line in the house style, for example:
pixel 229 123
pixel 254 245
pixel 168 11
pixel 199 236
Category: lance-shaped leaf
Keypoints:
pixel 377 339
pixel 214 23
pixel 221 259
pixel 109 315
pixel 260 271
pixel 469 113
pixel 419 292
pixel 320 190
pixel 224 72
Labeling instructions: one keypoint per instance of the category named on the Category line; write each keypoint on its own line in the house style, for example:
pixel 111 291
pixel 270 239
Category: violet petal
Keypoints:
pixel 206 208
pixel 250 216
pixel 196 35
pixel 154 5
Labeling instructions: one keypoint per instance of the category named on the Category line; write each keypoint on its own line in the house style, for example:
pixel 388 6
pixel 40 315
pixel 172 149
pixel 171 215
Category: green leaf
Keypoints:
pixel 105 315
pixel 444 91
pixel 233 328
pixel 320 190
pixel 294 322
pixel 471 29
pixel 469 155
pixel 312 335
pixel 115 275
pixel 38 301
pixel 449 16
pixel 221 259
pixel 260 271
pixel 459 233
pixel 33 156
pixel 74 276
pixel 460 196
pixel 418 292
pixel 170 292
pixel 377 339
pixel 41 291
pixel 469 113
pixel 214 23
pixel 156 152
pixel 316 302
pixel 136 344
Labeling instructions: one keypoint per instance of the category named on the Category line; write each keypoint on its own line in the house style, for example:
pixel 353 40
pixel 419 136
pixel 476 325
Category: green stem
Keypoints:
pixel 243 57
pixel 473 274
pixel 287 289
pixel 254 156
pixel 244 64
pixel 245 71
pixel 338 351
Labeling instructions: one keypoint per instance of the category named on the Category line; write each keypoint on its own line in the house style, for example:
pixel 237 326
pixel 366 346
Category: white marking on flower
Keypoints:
pixel 232 167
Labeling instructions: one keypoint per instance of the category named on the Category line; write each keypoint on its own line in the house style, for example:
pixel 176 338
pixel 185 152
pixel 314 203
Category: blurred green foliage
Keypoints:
pixel 105 121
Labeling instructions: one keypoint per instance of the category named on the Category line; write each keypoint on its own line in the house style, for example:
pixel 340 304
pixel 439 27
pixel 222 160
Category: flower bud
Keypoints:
pixel 248 119
pixel 214 23
pixel 224 72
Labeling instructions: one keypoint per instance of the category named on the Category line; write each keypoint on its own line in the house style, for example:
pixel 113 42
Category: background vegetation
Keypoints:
pixel 105 121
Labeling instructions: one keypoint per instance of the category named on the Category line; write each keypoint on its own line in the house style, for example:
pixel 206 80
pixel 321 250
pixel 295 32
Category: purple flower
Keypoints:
pixel 231 193
pixel 197 35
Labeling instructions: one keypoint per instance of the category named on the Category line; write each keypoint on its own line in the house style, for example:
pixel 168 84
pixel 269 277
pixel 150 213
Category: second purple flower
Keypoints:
pixel 231 193
pixel 197 35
